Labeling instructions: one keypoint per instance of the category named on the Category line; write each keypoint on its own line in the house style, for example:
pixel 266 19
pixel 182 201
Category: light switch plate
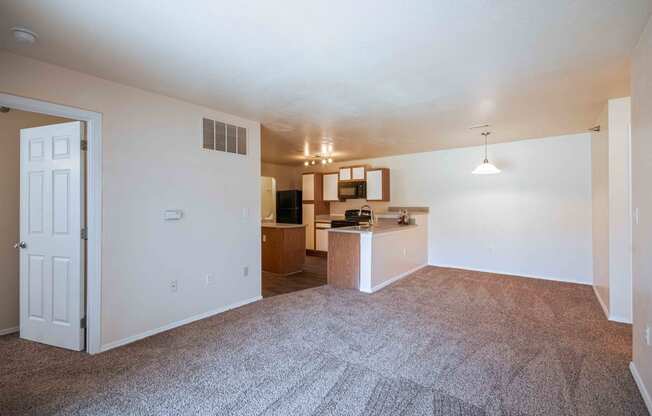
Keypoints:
pixel 172 215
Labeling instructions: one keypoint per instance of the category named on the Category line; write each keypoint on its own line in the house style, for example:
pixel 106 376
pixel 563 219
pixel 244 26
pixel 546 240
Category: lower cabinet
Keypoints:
pixel 321 236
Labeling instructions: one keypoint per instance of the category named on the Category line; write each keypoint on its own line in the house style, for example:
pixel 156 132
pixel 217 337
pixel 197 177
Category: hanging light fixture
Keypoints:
pixel 486 168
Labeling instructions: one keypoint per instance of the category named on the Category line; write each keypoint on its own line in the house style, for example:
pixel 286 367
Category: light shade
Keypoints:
pixel 486 168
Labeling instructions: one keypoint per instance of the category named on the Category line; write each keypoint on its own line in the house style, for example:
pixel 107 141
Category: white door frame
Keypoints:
pixel 93 203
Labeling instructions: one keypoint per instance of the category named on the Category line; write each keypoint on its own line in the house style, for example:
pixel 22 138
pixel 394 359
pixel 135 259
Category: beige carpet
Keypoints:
pixel 441 342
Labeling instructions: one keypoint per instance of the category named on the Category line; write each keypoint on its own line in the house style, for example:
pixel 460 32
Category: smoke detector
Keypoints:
pixel 24 36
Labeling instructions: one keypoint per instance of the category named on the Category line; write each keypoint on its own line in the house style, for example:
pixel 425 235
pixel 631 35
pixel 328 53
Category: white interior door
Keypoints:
pixel 51 273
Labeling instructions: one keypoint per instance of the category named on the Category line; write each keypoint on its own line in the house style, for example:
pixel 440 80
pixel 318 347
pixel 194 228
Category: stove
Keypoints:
pixel 353 217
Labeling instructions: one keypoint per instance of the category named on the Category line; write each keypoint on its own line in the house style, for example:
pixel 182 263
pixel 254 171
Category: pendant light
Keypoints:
pixel 486 168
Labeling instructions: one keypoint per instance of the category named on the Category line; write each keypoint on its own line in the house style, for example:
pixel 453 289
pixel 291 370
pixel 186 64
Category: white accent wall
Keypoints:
pixel 533 219
pixel 642 201
pixel 152 161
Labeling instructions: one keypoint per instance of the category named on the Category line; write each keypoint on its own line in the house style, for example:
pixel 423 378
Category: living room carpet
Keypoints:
pixel 439 342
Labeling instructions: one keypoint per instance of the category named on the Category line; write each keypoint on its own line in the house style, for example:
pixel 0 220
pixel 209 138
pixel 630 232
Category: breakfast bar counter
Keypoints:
pixel 370 258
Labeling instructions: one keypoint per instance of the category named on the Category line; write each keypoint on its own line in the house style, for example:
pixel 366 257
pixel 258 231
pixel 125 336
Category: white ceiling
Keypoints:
pixel 376 77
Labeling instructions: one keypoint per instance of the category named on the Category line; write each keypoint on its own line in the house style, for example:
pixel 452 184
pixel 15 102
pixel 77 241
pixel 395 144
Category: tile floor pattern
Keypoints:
pixel 440 342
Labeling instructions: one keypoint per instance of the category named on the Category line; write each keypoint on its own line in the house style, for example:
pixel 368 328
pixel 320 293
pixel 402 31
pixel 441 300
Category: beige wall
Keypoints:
pixel 642 200
pixel 487 222
pixel 152 161
pixel 600 206
pixel 10 125
pixel 287 177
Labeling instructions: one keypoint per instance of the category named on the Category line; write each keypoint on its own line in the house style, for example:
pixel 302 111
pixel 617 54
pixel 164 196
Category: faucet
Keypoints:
pixel 372 218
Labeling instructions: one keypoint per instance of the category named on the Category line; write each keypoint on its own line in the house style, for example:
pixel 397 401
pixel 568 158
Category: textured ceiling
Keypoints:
pixel 372 77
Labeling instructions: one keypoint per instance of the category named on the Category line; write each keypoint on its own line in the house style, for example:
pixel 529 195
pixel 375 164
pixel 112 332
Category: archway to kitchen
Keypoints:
pixel 287 265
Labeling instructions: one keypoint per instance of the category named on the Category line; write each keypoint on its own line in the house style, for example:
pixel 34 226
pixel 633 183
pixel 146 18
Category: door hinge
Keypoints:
pixel 84 233
pixel 82 323
pixel 84 145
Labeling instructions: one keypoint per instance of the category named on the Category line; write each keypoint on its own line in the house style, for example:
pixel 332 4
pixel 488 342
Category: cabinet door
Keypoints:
pixel 345 174
pixel 357 173
pixel 308 187
pixel 309 220
pixel 374 185
pixel 321 243
pixel 330 187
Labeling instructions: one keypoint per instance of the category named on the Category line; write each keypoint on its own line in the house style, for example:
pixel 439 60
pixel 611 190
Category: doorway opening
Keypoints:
pixel 285 266
pixel 51 188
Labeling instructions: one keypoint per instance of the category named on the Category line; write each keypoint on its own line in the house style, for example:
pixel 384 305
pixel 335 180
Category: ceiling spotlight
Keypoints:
pixel 323 161
pixel 312 162
pixel 330 160
pixel 24 36
pixel 305 163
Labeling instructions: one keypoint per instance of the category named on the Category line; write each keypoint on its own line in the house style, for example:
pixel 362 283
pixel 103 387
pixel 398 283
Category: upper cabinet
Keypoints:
pixel 357 173
pixel 352 173
pixel 308 187
pixel 311 189
pixel 345 174
pixel 378 184
pixel 330 186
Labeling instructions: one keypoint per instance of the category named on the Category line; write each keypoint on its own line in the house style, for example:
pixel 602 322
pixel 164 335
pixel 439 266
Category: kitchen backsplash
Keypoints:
pixel 338 208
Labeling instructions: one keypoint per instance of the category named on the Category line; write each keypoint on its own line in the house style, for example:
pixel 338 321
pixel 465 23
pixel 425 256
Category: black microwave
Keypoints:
pixel 352 190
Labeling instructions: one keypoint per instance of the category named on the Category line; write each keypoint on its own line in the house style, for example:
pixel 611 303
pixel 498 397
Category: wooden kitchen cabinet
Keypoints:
pixel 283 248
pixel 378 184
pixel 330 186
pixel 352 173
pixel 345 174
pixel 321 236
pixel 312 187
pixel 358 173
pixel 308 215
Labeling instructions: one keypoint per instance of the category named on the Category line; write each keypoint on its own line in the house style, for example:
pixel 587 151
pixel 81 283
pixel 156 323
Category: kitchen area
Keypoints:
pixel 350 235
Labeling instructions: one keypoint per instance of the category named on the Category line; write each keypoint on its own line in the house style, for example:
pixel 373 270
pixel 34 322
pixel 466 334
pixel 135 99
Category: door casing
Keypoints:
pixel 93 200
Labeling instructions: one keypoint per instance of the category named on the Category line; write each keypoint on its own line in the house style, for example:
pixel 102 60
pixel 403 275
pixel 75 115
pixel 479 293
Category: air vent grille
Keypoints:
pixel 224 137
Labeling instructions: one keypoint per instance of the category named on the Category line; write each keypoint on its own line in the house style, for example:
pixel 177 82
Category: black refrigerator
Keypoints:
pixel 288 207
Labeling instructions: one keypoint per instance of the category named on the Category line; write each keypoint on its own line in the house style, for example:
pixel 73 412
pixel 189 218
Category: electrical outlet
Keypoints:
pixel 636 216
pixel 404 252
pixel 245 271
pixel 647 336
pixel 209 279
pixel 174 285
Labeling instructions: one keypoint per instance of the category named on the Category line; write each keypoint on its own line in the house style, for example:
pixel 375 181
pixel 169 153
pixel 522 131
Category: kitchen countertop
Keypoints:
pixel 281 225
pixel 381 228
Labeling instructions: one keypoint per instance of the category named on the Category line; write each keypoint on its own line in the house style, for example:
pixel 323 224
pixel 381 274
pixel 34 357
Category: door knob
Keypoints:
pixel 20 245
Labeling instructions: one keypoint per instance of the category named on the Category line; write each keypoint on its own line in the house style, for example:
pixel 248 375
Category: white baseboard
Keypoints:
pixel 134 338
pixel 620 319
pixel 641 386
pixel 394 279
pixel 552 279
pixel 8 331
pixel 601 302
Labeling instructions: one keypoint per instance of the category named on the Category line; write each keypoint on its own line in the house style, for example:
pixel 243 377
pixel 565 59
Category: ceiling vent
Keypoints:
pixel 224 137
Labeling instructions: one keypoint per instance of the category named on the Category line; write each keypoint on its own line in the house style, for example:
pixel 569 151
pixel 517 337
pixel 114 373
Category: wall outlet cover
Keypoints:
pixel 174 285
pixel 245 271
